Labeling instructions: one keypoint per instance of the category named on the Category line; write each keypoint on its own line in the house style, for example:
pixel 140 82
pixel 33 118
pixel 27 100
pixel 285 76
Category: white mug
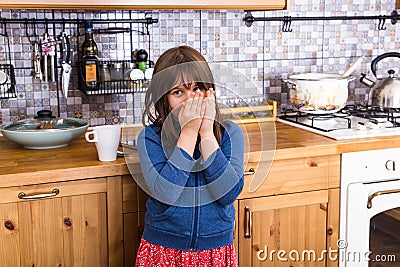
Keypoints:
pixel 3 77
pixel 106 139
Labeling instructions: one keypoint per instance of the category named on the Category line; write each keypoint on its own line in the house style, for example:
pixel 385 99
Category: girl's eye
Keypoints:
pixel 176 92
pixel 197 88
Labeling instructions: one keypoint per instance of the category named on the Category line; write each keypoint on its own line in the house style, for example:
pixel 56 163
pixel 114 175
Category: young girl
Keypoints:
pixel 192 165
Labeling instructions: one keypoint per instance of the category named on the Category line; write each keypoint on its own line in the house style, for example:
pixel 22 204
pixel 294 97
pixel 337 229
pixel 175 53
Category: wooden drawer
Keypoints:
pixel 291 175
pixel 63 189
pixel 57 224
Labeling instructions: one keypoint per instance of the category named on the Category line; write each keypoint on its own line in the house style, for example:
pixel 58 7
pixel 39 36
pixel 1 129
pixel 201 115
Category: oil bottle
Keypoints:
pixel 90 57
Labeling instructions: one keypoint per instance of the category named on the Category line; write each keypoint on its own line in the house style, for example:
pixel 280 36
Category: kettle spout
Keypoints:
pixel 366 81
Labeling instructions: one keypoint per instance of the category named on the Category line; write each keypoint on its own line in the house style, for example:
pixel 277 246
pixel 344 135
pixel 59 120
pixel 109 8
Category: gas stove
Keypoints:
pixel 353 121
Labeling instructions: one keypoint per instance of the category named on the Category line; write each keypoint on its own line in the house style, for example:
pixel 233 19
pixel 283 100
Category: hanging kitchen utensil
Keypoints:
pixel 384 92
pixel 34 41
pixel 45 53
pixel 37 66
pixel 52 55
pixel 7 85
pixel 66 56
pixel 48 45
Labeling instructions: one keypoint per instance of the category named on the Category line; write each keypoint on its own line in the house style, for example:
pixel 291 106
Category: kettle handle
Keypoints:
pixel 290 82
pixel 374 62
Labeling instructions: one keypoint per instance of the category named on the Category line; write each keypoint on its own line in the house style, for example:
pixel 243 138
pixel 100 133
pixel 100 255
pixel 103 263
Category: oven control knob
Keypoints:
pixel 390 165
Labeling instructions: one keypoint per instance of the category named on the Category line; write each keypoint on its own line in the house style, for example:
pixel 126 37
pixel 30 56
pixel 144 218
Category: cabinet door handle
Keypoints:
pixel 248 222
pixel 250 171
pixel 378 193
pixel 22 195
pixel 234 229
pixel 390 165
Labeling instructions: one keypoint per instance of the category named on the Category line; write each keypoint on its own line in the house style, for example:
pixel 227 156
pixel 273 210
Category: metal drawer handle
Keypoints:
pixel 250 171
pixel 53 193
pixel 378 193
pixel 248 222
pixel 390 165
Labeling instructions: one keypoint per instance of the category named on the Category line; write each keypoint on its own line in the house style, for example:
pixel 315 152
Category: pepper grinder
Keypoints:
pixel 141 57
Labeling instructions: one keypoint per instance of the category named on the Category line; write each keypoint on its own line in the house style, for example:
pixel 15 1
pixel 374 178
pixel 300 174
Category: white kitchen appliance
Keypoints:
pixel 370 209
pixel 370 184
pixel 350 122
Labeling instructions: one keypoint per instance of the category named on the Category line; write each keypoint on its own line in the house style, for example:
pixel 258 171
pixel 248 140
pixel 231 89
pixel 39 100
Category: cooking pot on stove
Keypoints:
pixel 318 93
pixel 384 92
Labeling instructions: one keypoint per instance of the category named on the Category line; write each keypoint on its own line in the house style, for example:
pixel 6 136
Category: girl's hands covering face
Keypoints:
pixel 191 112
pixel 209 113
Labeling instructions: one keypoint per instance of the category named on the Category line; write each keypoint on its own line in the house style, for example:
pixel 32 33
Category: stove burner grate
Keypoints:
pixel 386 117
pixel 297 117
pixel 374 114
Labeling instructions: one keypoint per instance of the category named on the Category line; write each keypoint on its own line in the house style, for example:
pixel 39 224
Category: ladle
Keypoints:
pixel 352 67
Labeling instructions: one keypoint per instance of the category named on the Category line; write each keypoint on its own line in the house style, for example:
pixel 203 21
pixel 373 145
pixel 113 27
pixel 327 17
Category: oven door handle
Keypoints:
pixel 379 193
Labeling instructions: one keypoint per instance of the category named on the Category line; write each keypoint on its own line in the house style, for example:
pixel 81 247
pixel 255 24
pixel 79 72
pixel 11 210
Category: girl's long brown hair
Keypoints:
pixel 177 66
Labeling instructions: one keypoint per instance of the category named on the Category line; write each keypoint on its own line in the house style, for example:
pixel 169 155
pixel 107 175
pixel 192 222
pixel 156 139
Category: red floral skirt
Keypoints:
pixel 151 255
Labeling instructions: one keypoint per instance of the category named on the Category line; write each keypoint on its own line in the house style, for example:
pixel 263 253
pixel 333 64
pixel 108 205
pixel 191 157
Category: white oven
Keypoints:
pixel 370 209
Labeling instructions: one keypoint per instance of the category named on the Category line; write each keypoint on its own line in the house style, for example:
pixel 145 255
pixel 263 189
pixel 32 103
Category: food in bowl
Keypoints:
pixel 45 126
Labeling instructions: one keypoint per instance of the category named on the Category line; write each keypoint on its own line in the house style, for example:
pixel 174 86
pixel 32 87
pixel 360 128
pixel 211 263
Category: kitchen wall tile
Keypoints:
pixel 263 53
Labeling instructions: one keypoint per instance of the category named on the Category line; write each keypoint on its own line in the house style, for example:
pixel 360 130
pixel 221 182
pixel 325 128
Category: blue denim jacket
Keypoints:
pixel 191 200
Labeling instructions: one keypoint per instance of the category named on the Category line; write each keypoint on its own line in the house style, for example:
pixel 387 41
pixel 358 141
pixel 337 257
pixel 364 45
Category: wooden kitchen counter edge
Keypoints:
pixel 20 166
pixel 292 142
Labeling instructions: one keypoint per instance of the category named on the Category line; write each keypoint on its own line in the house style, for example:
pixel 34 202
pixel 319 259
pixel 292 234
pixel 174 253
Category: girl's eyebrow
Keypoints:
pixel 186 86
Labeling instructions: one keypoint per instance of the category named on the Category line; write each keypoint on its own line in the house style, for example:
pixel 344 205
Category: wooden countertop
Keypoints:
pixel 78 160
pixel 292 142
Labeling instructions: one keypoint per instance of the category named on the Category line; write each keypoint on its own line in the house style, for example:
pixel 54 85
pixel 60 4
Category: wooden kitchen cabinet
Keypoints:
pixel 295 210
pixel 134 207
pixel 291 223
pixel 62 224
pixel 146 5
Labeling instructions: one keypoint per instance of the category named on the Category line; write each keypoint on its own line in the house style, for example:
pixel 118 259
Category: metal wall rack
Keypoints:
pixel 34 22
pixel 116 86
pixel 249 19
pixel 146 21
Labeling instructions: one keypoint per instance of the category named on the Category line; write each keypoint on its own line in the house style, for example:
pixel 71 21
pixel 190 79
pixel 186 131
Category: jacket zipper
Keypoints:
pixel 196 212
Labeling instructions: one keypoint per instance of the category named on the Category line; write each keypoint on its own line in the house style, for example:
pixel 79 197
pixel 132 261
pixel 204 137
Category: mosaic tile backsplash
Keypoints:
pixel 262 52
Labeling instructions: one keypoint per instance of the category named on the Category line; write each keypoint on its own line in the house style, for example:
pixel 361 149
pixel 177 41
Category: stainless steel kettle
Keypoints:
pixel 384 92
